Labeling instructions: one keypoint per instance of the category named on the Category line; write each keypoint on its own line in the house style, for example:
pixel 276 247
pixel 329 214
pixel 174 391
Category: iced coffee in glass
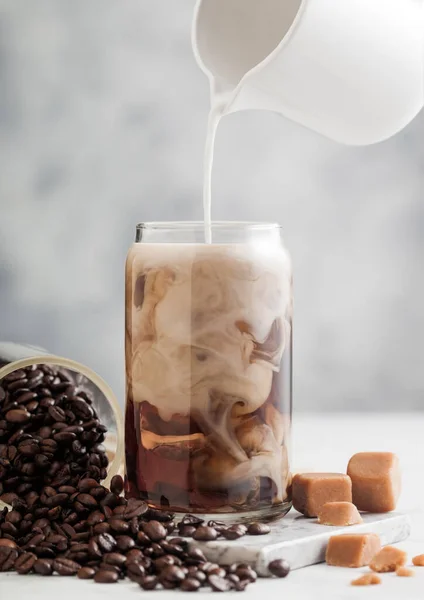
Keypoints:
pixel 209 369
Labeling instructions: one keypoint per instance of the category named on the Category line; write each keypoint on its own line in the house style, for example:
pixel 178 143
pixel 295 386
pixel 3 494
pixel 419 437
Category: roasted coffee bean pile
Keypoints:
pixel 49 435
pixel 64 521
pixel 98 534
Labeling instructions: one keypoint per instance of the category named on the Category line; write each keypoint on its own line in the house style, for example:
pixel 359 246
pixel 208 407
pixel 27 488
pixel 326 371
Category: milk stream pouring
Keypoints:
pixel 352 70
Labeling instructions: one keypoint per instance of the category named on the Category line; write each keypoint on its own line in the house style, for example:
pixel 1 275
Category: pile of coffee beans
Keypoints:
pixel 49 434
pixel 62 520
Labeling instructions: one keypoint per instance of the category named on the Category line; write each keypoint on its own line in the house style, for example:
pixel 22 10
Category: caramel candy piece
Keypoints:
pixel 376 481
pixel 352 549
pixel 367 579
pixel 418 561
pixel 404 572
pixel 339 513
pixel 388 559
pixel 312 490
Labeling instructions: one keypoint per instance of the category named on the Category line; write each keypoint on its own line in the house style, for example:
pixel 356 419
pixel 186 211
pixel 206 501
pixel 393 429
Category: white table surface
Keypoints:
pixel 321 442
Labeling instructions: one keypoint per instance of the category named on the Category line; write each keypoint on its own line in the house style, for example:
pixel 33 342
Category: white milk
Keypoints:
pixel 215 114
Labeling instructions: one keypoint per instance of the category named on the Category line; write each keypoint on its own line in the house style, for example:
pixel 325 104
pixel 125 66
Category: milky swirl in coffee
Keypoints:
pixel 207 328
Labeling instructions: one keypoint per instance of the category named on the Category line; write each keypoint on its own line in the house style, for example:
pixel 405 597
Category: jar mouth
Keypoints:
pixel 215 225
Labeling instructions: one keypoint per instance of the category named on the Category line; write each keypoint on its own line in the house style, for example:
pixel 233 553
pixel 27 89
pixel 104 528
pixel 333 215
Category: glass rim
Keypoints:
pixel 200 225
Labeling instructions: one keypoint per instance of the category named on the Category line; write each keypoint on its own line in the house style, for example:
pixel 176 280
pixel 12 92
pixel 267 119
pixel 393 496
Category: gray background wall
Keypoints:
pixel 102 123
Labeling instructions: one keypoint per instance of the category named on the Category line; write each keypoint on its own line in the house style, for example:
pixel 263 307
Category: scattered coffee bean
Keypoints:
pixel 279 567
pixel 219 584
pixel 150 582
pixel 187 530
pixel 43 566
pixel 190 585
pixel 86 573
pixel 155 531
pixel 106 576
pixel 234 532
pixel 258 529
pixel 106 542
pixel 205 534
pixel 24 563
pixel 117 485
pixel 65 566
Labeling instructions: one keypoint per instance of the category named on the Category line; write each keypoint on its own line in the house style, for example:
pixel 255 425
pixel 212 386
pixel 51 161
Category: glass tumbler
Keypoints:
pixel 209 369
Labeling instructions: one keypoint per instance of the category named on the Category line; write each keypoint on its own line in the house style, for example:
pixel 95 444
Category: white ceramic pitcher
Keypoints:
pixel 352 70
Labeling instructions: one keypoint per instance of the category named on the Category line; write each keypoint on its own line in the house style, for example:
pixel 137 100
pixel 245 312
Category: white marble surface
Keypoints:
pixel 320 442
pixel 302 542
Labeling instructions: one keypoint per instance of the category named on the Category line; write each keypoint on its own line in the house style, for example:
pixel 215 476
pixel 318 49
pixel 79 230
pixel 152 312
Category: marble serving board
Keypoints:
pixel 302 542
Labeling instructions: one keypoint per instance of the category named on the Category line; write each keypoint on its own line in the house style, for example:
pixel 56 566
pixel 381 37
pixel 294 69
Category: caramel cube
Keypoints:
pixel 367 579
pixel 376 481
pixel 339 514
pixel 388 559
pixel 312 490
pixel 352 549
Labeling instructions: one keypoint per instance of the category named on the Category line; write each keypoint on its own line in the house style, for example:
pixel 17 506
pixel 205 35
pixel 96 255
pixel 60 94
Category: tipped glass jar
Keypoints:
pixel 209 369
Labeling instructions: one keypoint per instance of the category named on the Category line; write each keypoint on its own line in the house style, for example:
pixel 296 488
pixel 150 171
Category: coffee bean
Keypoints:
pixel 258 529
pixel 190 585
pixel 105 576
pixel 246 573
pixel 219 584
pixel 172 574
pixel 279 567
pixel 154 530
pixel 56 500
pixel 116 485
pixel 150 582
pixel 64 437
pixel 134 555
pixel 233 533
pixel 164 561
pixel 200 576
pixel 87 500
pixel 114 558
pixel 56 413
pixel 205 534
pixel 24 563
pixel 95 517
pixel 118 525
pixel 136 508
pixel 9 528
pixel 187 530
pixel 86 573
pixel 43 566
pixel 101 528
pixel 135 570
pixel 157 515
pixel 217 571
pixel 192 520
pixel 240 586
pixel 6 543
pixel 68 529
pixel 15 376
pixel 106 542
pixel 65 566
pixel 8 556
pixel 18 415
pixel 93 549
